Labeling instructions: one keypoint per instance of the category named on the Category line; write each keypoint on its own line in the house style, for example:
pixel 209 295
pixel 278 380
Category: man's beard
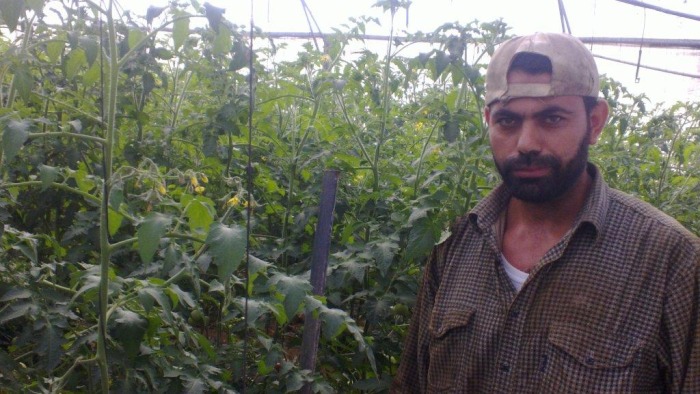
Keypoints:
pixel 548 188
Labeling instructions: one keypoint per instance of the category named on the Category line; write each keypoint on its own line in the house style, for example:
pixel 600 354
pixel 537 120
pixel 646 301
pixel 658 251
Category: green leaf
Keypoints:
pixel 153 12
pixel 23 81
pixel 145 300
pixel 89 288
pixel 423 236
pixel 91 48
pixel 356 268
pixel 129 329
pixel 85 182
pixel 74 62
pixel 199 211
pixel 149 234
pixel 216 287
pixel 295 381
pixel 183 297
pixel 49 347
pixel 48 175
pixel 418 213
pixel 116 196
pixel 11 10
pixel 15 294
pixel 256 266
pixel 135 37
pixel 77 125
pixel 334 322
pixel 222 42
pixel 227 247
pixel 240 56
pixel 157 295
pixel 442 60
pixel 214 15
pixel 356 333
pixel 206 345
pixel 193 385
pixel 384 253
pixel 294 289
pixel 181 30
pixel 277 310
pixel 17 310
pixel 54 50
pixel 115 221
pixel 13 138
pixel 28 248
pixel 92 75
pixel 149 83
pixel 313 304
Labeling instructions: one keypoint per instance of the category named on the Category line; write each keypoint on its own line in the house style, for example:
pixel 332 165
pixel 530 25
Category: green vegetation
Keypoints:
pixel 125 201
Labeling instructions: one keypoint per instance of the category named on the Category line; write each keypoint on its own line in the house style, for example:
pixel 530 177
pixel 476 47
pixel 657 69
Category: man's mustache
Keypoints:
pixel 523 161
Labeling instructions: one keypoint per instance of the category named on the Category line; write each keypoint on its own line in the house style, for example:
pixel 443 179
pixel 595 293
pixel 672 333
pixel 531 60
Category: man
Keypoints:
pixel 555 283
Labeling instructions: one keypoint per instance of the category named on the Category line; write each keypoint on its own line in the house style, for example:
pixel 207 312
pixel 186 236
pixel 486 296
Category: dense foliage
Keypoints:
pixel 137 255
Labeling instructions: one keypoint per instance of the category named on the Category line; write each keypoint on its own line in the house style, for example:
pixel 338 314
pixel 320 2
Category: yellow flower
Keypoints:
pixel 325 58
pixel 161 189
pixel 205 179
pixel 233 201
pixel 199 189
pixel 193 181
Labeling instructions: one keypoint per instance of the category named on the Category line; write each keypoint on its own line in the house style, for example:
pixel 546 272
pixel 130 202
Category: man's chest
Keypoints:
pixel 593 328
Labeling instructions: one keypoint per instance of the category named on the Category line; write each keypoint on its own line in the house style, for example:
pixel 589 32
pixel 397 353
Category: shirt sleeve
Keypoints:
pixel 681 325
pixel 412 374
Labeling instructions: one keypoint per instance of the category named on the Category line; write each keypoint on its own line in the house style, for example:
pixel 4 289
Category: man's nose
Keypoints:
pixel 530 139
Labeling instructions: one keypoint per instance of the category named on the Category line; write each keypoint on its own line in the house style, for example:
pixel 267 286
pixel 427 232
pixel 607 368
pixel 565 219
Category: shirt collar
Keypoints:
pixel 594 210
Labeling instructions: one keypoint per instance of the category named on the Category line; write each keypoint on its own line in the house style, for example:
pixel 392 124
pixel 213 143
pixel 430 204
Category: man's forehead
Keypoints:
pixel 527 105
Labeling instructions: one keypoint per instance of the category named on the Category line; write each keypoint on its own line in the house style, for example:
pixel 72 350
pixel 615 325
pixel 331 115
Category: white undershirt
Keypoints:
pixel 517 277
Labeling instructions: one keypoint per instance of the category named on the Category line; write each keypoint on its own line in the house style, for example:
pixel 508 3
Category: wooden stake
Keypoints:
pixel 319 264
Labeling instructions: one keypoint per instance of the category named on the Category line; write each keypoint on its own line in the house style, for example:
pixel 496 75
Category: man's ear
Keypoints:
pixel 597 119
pixel 487 114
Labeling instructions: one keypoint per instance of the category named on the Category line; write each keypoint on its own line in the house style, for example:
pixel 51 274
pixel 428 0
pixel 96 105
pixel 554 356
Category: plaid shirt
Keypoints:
pixel 612 308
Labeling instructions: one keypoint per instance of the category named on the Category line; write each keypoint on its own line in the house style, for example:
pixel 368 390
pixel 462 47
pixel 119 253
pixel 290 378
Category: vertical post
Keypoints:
pixel 319 264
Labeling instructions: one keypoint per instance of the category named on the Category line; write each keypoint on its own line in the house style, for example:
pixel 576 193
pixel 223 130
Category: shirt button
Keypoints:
pixel 505 367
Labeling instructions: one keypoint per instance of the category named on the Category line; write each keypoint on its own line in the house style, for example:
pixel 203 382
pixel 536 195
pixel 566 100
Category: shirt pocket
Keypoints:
pixel 587 360
pixel 450 331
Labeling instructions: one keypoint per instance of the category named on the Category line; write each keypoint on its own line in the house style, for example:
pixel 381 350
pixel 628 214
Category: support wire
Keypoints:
pixel 565 27
pixel 641 44
pixel 249 187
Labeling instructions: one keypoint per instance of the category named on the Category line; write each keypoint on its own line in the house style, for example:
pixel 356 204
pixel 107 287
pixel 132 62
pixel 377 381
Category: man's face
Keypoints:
pixel 540 145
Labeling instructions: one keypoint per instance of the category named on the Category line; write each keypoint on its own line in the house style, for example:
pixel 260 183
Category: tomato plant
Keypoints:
pixel 157 229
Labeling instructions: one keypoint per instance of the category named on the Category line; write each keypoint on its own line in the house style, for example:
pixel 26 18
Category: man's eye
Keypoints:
pixel 506 122
pixel 552 119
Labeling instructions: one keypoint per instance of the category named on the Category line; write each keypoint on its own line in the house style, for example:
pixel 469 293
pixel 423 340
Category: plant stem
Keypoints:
pixel 57 287
pixel 105 250
pixel 57 185
pixel 422 157
pixel 387 105
pixel 67 134
pixel 293 174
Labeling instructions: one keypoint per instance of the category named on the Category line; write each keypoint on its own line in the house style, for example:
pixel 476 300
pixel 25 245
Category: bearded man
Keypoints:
pixel 555 282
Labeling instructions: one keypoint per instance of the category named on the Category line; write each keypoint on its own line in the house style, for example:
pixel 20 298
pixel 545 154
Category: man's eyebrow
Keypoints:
pixel 552 109
pixel 503 112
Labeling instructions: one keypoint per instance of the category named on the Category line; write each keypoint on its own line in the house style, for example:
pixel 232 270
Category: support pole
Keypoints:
pixel 319 264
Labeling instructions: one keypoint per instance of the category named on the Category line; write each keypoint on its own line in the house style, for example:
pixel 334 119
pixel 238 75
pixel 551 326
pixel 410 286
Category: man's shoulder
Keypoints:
pixel 633 210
